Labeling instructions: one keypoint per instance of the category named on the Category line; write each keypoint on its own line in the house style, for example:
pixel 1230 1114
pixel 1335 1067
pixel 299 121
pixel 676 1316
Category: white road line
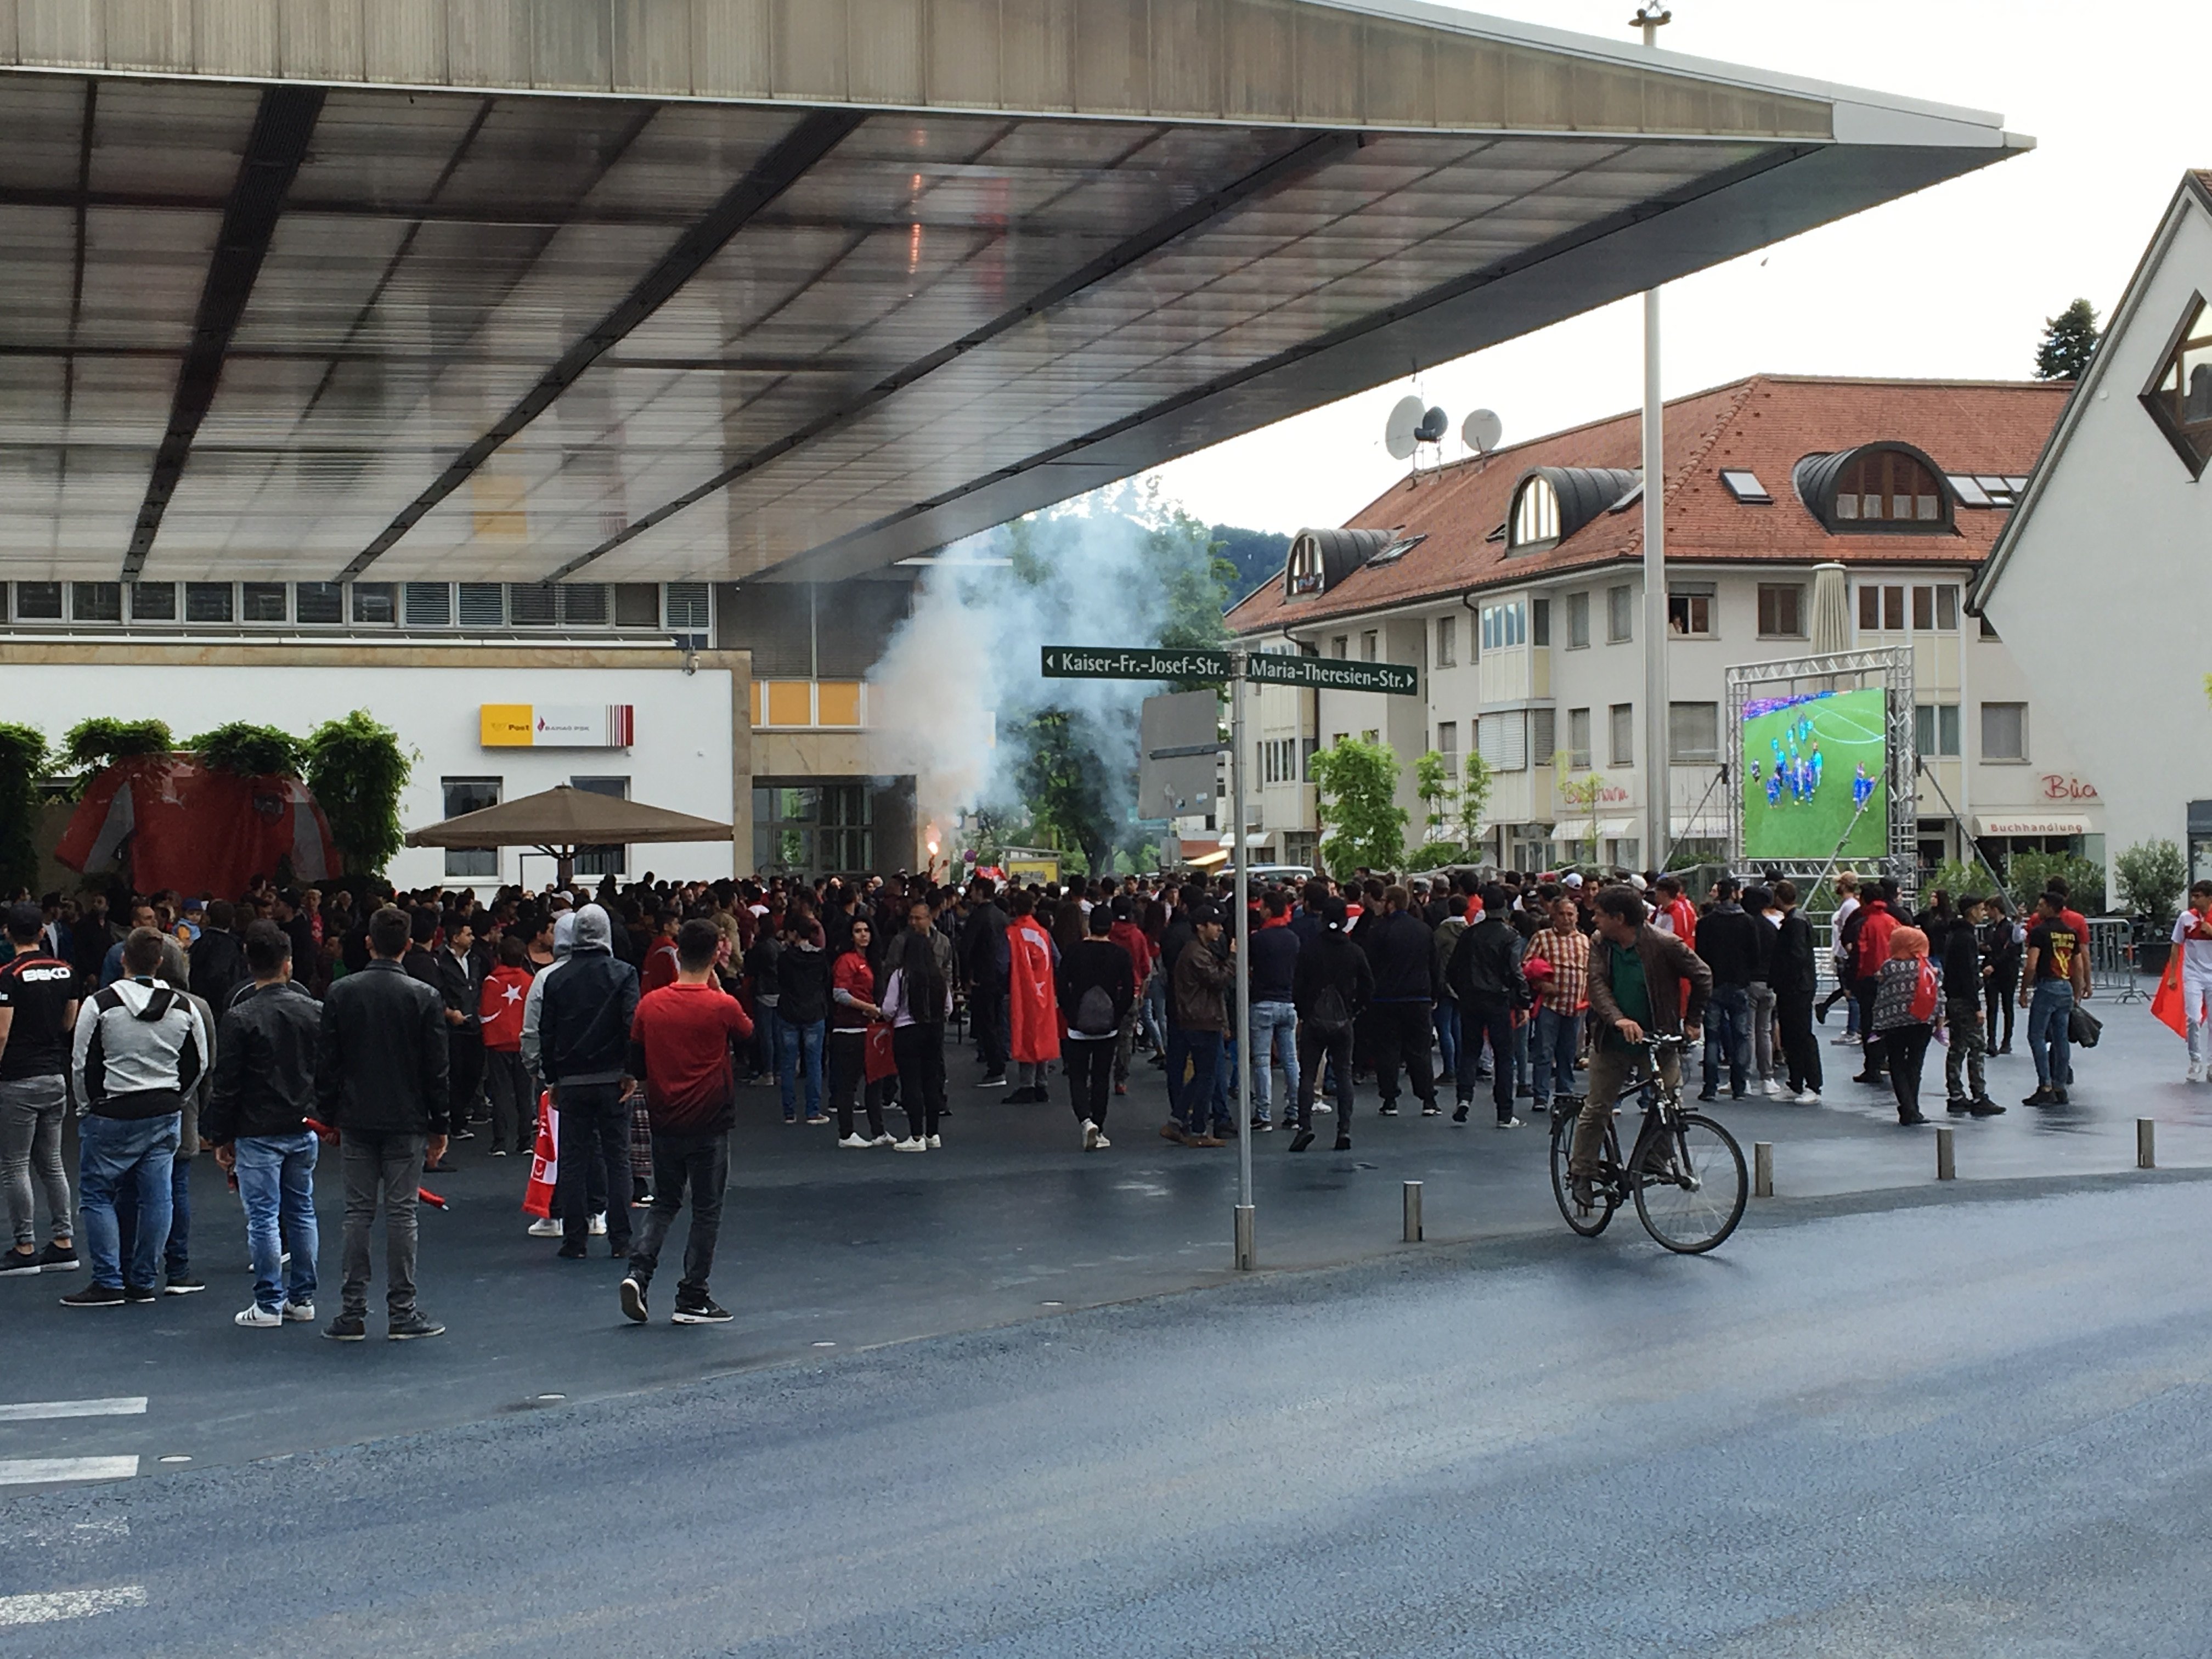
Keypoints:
pixel 37 1471
pixel 33 1410
pixel 53 1604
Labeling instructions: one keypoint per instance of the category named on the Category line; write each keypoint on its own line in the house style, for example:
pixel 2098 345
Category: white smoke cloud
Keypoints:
pixel 964 668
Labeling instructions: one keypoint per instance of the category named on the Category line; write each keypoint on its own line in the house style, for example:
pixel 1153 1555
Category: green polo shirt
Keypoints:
pixel 1630 990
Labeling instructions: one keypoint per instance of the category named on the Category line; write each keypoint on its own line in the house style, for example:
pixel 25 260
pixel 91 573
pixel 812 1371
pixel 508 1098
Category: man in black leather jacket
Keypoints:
pixel 1485 976
pixel 381 1079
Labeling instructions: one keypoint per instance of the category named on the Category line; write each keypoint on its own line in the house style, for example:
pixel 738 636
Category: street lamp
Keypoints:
pixel 1657 790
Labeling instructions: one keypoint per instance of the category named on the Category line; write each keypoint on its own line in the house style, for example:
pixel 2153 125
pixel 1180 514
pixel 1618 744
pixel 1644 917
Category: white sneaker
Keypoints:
pixel 936 1143
pixel 1509 1123
pixel 2196 1071
pixel 883 1140
pixel 1089 1136
pixel 300 1313
pixel 599 1227
pixel 546 1227
pixel 258 1318
pixel 1099 1143
pixel 1810 1097
pixel 911 1143
pixel 1322 1108
pixel 1776 1089
pixel 858 1142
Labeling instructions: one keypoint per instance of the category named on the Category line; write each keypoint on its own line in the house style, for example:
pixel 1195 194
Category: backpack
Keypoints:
pixel 1094 1012
pixel 1330 1016
pixel 1924 993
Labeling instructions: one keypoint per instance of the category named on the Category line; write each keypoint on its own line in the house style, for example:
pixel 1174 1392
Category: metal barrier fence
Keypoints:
pixel 2112 959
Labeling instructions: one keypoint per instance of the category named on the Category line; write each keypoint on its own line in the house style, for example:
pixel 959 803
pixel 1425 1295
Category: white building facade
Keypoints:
pixel 1515 584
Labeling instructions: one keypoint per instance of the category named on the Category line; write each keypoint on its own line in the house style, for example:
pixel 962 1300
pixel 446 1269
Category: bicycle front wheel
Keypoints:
pixel 1590 1222
pixel 1690 1184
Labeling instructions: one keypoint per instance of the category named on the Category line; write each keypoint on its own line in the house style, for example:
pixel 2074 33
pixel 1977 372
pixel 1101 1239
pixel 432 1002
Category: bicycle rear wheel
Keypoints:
pixel 1690 1184
pixel 1593 1221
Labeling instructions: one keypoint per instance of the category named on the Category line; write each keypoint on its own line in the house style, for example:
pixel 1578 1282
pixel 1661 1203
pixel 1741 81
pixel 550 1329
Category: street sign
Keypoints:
pixel 1179 736
pixel 1081 662
pixel 1333 673
pixel 1115 662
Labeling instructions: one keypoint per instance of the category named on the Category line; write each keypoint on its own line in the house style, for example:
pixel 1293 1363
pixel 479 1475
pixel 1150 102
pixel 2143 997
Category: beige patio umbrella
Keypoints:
pixel 563 818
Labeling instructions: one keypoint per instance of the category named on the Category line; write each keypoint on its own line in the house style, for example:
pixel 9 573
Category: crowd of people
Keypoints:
pixel 607 1036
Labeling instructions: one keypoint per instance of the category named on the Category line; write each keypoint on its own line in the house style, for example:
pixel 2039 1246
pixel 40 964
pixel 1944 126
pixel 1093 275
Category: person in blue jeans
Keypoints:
pixel 139 1046
pixel 1199 984
pixel 1272 1025
pixel 261 1093
pixel 2056 968
pixel 802 1011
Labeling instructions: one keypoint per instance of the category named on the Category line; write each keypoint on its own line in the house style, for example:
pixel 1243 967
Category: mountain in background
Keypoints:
pixel 1258 554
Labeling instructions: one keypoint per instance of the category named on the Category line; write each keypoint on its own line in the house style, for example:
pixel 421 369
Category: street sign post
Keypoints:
pixel 1112 662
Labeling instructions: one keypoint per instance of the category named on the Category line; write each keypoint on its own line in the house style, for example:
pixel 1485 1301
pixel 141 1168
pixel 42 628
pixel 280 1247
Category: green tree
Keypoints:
pixel 1964 880
pixel 250 750
pixel 1357 784
pixel 2069 340
pixel 22 764
pixel 1434 783
pixel 99 742
pixel 356 769
pixel 2029 873
pixel 1064 786
pixel 2151 876
pixel 1476 783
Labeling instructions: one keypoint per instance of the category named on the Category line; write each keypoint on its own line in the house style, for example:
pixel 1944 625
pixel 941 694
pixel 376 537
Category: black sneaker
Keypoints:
pixel 571 1252
pixel 1344 1143
pixel 1707 1094
pixel 1958 1105
pixel 1433 1110
pixel 463 1134
pixel 1983 1107
pixel 633 1300
pixel 701 1312
pixel 2042 1096
pixel 1388 1109
pixel 2059 1097
pixel 1300 1141
pixel 183 1284
pixel 1460 1116
pixel 347 1327
pixel 57 1258
pixel 405 1327
pixel 95 1295
pixel 17 1261
pixel 140 1293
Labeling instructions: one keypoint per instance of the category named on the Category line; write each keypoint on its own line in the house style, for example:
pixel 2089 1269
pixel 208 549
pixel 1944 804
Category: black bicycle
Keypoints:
pixel 1686 1171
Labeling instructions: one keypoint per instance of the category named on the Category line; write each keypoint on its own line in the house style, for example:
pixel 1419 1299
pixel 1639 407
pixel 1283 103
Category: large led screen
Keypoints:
pixel 1812 778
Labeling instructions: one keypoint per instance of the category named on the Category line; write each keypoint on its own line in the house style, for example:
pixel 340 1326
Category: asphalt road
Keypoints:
pixel 1973 1426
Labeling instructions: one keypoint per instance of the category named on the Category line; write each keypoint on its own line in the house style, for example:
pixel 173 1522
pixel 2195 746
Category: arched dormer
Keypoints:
pixel 1550 503
pixel 1877 489
pixel 1320 559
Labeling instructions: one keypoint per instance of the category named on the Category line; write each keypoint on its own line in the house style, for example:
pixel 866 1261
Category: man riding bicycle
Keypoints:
pixel 1641 981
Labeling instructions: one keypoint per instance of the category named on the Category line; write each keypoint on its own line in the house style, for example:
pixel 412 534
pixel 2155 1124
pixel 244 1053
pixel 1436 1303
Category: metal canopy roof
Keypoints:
pixel 512 289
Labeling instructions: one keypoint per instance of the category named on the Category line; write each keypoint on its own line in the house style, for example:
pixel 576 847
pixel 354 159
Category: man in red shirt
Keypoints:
pixel 679 1043
pixel 661 961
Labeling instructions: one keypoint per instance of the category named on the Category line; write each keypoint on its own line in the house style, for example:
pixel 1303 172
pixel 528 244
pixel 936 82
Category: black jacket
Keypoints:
pixel 1791 971
pixel 1402 952
pixel 1485 964
pixel 1962 962
pixel 982 944
pixel 1727 939
pixel 218 967
pixel 584 1019
pixel 1095 962
pixel 461 986
pixel 1331 959
pixel 265 1050
pixel 380 1066
pixel 802 978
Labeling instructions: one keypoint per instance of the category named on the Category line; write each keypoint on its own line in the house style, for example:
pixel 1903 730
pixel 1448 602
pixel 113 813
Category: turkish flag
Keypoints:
pixel 545 1165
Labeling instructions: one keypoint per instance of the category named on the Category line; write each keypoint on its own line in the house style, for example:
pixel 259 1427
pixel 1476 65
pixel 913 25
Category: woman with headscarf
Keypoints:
pixel 1907 1006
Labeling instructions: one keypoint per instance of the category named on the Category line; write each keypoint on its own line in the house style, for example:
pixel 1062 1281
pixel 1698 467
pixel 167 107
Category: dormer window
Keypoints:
pixel 1305 568
pixel 2180 396
pixel 1535 519
pixel 1877 487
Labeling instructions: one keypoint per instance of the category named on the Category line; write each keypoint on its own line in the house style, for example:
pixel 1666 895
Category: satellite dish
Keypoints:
pixel 1433 426
pixel 1481 431
pixel 1398 433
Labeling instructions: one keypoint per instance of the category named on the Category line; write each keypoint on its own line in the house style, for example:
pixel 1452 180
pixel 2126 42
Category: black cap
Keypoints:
pixel 25 921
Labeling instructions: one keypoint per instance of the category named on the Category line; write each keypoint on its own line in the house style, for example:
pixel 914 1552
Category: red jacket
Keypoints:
pixel 1873 938
pixel 1131 939
pixel 661 965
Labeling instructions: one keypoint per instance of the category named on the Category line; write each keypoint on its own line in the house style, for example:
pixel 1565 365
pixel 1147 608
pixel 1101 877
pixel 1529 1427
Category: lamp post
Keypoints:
pixel 1657 822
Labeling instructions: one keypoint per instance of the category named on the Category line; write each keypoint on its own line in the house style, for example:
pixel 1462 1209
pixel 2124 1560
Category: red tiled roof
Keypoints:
pixel 1765 425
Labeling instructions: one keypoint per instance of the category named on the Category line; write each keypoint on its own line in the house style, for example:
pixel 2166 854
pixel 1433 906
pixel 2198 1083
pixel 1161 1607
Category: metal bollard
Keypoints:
pixel 2146 1144
pixel 1412 1212
pixel 1946 1168
pixel 1762 1168
pixel 1244 1262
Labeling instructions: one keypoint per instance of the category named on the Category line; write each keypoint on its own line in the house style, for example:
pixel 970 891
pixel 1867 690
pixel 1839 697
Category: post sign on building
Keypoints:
pixel 557 726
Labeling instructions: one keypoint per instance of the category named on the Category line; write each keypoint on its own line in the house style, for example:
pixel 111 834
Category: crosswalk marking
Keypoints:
pixel 52 1605
pixel 30 1411
pixel 37 1471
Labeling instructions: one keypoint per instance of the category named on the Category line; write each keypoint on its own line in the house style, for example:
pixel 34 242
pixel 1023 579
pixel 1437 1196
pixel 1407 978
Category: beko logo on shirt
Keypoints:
pixel 44 975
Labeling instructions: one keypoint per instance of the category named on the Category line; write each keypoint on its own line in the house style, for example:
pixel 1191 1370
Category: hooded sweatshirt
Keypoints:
pixel 533 1005
pixel 583 1021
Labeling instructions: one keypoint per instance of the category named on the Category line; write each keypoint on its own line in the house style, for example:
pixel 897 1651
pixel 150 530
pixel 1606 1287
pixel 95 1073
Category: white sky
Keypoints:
pixel 1954 283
